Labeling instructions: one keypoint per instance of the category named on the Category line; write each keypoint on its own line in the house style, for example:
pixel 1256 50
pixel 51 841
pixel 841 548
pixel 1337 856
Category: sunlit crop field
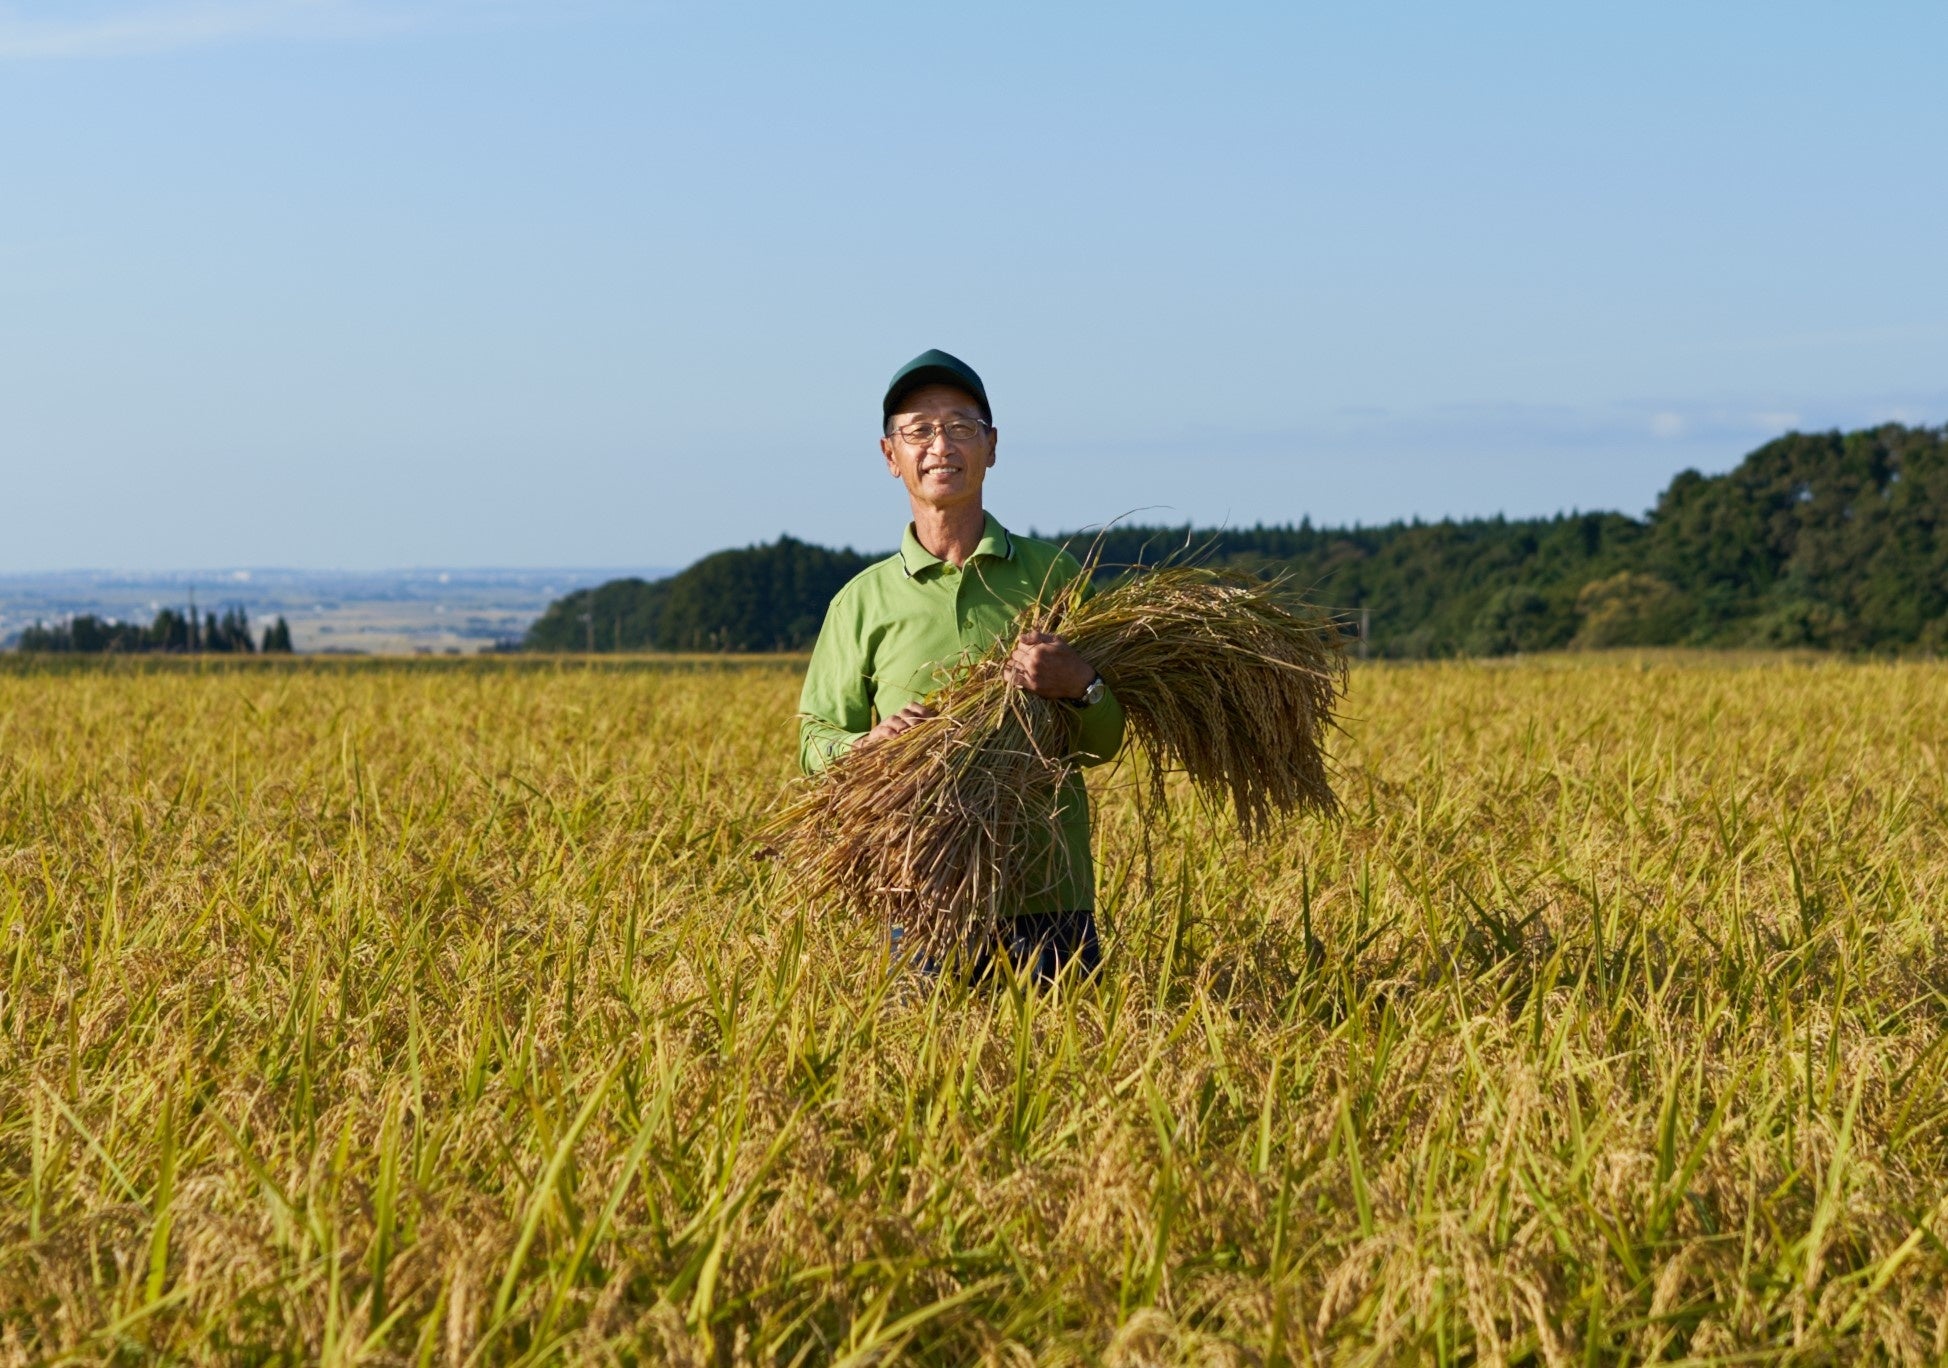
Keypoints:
pixel 452 1013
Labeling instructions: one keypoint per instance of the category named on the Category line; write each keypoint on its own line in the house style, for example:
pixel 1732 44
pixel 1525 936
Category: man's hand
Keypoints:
pixel 1044 664
pixel 894 725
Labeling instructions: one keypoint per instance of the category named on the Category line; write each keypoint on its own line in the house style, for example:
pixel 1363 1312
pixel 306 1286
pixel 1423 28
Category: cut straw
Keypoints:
pixel 954 823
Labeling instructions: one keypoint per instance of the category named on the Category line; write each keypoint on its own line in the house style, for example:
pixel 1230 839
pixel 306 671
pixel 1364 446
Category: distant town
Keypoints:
pixel 428 611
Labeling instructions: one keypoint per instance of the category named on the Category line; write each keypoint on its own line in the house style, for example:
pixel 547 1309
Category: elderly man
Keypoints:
pixel 896 632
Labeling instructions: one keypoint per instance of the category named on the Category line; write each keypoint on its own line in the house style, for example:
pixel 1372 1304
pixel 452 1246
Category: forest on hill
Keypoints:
pixel 1829 540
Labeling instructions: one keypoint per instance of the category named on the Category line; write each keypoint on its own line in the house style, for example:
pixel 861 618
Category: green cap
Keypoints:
pixel 934 367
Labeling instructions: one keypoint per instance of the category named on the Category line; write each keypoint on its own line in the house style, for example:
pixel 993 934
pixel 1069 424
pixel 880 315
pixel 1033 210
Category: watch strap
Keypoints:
pixel 1092 695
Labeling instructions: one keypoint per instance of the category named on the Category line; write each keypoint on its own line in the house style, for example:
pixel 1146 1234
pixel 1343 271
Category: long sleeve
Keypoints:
pixel 835 705
pixel 1099 733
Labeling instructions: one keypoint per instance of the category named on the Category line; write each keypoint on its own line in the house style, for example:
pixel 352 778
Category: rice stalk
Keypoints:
pixel 941 829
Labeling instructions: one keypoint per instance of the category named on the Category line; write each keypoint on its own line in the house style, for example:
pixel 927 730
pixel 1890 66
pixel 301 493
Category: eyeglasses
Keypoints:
pixel 957 431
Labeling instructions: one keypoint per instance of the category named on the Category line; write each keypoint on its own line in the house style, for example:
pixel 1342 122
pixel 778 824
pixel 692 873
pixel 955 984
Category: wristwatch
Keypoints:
pixel 1092 695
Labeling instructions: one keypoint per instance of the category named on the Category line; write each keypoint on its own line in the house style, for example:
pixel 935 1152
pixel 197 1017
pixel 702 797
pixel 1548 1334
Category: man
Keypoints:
pixel 896 632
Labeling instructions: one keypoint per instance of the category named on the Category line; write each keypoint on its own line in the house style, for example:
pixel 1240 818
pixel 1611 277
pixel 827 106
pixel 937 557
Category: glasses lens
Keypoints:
pixel 922 433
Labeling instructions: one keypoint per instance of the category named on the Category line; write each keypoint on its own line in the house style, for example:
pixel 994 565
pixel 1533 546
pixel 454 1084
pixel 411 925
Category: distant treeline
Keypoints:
pixel 1832 540
pixel 170 631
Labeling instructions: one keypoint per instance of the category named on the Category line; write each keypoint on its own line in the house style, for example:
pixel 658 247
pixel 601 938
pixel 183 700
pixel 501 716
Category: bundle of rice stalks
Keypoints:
pixel 941 829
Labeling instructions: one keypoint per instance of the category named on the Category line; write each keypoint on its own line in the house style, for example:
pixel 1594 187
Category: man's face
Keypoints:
pixel 940 472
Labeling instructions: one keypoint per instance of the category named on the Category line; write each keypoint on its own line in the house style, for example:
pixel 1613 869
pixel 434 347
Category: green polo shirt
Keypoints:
pixel 898 631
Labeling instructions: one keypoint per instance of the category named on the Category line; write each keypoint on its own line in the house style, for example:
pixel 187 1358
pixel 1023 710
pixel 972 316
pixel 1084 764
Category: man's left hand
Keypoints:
pixel 1044 664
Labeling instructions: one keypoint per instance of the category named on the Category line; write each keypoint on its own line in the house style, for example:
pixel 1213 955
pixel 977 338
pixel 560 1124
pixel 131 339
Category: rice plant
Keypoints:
pixel 452 1014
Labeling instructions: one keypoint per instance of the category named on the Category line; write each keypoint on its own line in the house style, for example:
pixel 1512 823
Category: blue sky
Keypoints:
pixel 359 284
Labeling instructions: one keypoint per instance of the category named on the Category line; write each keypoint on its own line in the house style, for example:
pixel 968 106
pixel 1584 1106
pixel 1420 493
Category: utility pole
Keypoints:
pixel 1366 622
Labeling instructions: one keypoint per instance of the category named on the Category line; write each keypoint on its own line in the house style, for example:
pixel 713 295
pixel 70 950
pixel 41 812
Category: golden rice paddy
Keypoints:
pixel 451 1014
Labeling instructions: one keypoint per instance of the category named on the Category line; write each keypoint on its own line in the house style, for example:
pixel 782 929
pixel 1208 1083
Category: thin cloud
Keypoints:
pixel 74 31
pixel 1832 339
pixel 1726 427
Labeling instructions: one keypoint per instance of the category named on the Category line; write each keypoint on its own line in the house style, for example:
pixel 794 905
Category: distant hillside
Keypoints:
pixel 1817 539
pixel 760 598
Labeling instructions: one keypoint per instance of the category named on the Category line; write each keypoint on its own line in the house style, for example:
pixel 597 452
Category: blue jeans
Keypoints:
pixel 1041 944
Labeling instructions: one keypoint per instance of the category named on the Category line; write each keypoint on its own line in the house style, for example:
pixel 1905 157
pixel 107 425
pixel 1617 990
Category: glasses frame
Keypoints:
pixel 981 428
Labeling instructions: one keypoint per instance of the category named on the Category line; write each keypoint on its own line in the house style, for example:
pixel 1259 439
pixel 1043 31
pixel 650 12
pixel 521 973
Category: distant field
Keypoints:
pixel 450 1012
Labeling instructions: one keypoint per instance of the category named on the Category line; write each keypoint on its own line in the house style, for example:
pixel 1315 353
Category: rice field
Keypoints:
pixel 455 1014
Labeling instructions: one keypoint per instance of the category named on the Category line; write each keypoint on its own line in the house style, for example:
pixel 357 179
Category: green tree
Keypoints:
pixel 1629 608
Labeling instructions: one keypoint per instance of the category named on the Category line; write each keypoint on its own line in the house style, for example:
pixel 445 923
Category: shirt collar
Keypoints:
pixel 996 540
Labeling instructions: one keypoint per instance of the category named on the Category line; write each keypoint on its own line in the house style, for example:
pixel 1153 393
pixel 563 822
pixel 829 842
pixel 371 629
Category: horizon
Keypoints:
pixel 219 575
pixel 1622 578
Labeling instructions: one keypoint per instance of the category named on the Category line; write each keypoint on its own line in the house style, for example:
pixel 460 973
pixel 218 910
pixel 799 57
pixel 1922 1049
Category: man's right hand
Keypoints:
pixel 897 723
